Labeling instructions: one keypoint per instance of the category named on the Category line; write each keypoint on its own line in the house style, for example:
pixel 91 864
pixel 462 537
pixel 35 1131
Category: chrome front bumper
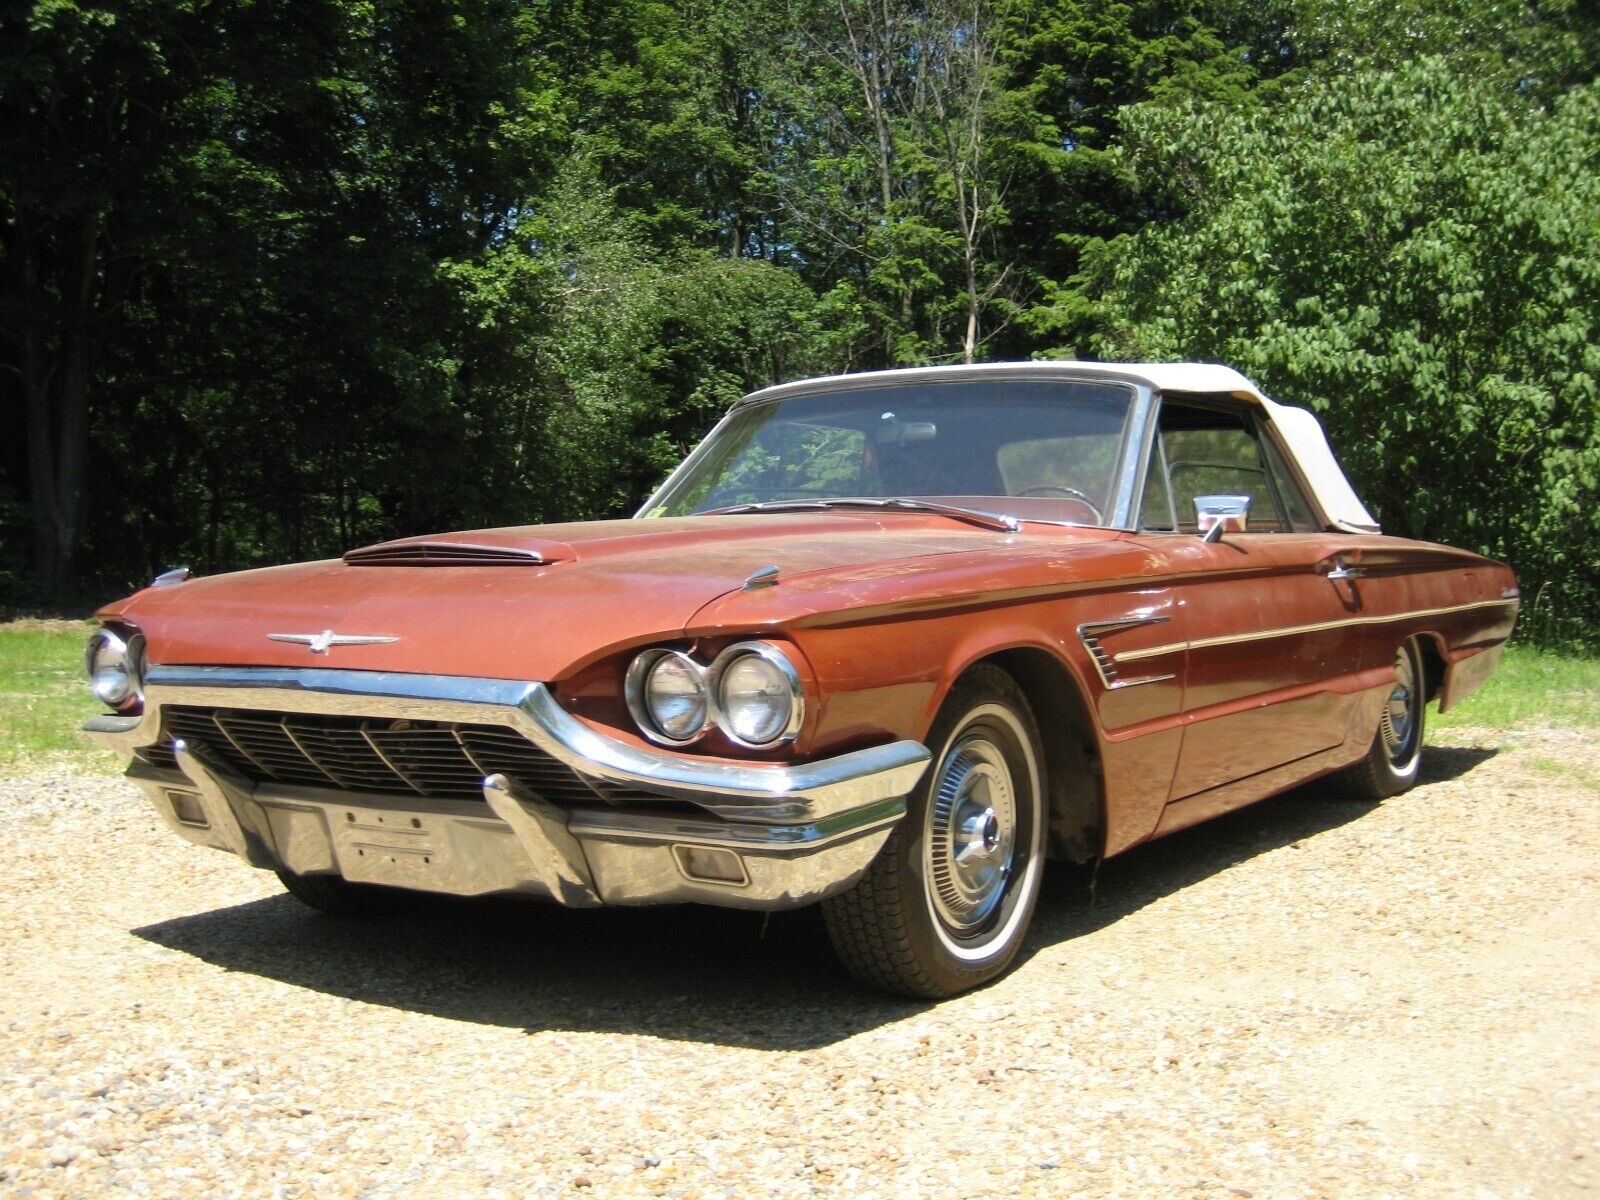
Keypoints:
pixel 765 836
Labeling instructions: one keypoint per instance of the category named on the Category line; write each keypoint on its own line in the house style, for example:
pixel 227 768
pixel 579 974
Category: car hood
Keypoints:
pixel 543 601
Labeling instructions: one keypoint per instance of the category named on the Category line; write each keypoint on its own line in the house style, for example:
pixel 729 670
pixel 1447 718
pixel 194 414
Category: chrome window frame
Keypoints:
pixel 1127 473
pixel 1259 426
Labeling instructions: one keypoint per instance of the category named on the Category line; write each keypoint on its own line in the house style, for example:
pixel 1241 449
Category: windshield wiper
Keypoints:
pixel 972 516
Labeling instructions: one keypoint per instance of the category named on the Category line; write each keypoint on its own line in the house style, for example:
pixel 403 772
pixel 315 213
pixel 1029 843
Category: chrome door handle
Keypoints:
pixel 1342 572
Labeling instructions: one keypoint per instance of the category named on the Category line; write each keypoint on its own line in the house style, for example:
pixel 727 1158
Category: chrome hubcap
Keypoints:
pixel 971 845
pixel 1399 714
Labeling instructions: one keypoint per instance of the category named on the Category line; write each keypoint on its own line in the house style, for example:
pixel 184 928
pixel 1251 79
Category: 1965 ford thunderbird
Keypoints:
pixel 884 641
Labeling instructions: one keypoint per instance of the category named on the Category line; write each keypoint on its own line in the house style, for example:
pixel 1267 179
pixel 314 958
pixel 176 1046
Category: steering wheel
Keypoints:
pixel 1070 492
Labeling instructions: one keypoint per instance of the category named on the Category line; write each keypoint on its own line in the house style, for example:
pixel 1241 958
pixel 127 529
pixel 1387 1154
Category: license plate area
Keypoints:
pixel 397 849
pixel 432 846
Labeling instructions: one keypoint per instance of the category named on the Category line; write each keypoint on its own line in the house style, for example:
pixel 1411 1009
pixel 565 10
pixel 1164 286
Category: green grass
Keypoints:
pixel 43 696
pixel 1531 687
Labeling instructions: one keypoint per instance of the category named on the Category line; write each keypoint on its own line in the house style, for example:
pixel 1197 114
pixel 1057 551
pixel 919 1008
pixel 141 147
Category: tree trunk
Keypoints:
pixel 56 396
pixel 47 566
pixel 36 369
pixel 969 344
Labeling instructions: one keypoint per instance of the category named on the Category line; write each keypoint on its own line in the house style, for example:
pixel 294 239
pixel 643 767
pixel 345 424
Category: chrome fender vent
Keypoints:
pixel 1105 664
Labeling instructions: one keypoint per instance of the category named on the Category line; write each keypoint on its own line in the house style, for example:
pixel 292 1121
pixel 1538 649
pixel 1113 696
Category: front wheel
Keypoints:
pixel 1395 756
pixel 947 902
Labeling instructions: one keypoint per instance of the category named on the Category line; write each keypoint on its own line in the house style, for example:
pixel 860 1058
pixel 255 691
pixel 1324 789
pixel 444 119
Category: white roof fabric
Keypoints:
pixel 1302 433
pixel 1308 445
pixel 1167 377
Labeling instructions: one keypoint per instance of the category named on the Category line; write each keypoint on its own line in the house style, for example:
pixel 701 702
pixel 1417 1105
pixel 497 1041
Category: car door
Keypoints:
pixel 1264 632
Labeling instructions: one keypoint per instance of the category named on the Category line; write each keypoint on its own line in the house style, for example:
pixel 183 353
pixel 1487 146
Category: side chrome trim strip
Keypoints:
pixel 1229 639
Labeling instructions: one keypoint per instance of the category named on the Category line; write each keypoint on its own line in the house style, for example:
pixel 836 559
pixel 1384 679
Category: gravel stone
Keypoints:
pixel 1308 998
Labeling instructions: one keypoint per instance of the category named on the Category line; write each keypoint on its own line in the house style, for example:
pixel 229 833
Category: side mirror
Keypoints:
pixel 1217 515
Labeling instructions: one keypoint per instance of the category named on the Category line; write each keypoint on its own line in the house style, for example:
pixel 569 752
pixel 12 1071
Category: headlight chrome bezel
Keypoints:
pixel 790 680
pixel 715 714
pixel 636 689
pixel 130 652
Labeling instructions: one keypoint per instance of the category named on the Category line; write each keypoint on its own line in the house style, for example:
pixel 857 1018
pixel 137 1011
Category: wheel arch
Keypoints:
pixel 1434 662
pixel 1074 778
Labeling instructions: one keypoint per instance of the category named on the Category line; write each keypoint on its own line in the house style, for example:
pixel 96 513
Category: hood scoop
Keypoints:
pixel 435 553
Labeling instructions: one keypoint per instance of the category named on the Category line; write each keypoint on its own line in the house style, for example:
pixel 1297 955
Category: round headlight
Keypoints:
pixel 116 668
pixel 758 694
pixel 667 696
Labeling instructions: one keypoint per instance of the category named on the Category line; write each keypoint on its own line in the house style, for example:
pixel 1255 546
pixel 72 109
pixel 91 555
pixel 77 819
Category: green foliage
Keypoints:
pixel 278 279
pixel 1414 255
pixel 1536 49
pixel 1075 65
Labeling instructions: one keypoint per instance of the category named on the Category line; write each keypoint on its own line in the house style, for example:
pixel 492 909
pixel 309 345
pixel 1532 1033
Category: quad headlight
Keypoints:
pixel 751 692
pixel 116 668
pixel 667 696
pixel 756 693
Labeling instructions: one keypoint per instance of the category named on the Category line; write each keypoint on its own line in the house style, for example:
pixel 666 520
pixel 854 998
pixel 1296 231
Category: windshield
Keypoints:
pixel 1034 449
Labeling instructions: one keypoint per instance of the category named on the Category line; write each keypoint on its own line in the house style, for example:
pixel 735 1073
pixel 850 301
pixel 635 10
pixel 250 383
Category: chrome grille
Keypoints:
pixel 438 759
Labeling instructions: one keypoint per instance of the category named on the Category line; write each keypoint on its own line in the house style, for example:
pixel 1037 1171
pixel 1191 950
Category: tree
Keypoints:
pixel 893 164
pixel 1414 254
pixel 90 109
pixel 1539 49
pixel 962 148
pixel 224 228
pixel 1074 65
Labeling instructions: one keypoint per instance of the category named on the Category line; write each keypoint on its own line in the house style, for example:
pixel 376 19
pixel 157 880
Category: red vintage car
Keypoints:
pixel 884 641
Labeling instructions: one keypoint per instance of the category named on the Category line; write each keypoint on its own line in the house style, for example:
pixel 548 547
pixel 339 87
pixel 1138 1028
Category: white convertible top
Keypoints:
pixel 1298 427
pixel 1302 433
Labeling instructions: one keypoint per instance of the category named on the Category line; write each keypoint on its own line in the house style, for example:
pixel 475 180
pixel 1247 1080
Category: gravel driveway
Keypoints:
pixel 1308 998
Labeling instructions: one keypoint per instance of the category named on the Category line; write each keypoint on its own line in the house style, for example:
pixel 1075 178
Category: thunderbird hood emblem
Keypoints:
pixel 319 642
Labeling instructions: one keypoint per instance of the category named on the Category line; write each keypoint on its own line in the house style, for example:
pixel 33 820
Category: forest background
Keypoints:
pixel 283 277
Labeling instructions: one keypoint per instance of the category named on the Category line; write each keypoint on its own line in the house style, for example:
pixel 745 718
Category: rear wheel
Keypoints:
pixel 1395 756
pixel 338 897
pixel 947 902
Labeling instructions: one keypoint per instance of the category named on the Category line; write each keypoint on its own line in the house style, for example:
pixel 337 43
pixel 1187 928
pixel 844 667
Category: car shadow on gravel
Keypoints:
pixel 1072 907
pixel 688 973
